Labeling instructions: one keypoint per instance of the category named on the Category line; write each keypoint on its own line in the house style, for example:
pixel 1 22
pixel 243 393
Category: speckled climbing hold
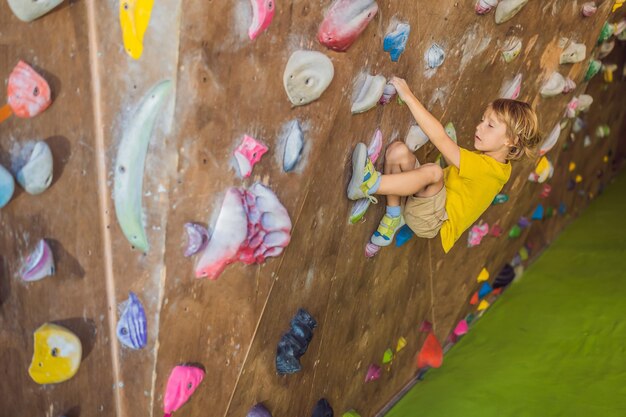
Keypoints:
pixel 132 328
pixel 608 71
pixel 248 153
pixel 515 232
pixel 500 199
pixel 395 41
pixel 504 277
pixel 484 290
pixel 387 356
pixel 415 138
pixel 29 10
pixel 294 145
pixel 551 140
pixel 39 264
pixel 197 238
pixel 474 299
pixel 259 410
pixel 56 356
pixel 351 413
pixel 33 167
pixel 578 179
pixel 371 250
pixel 401 344
pixel 484 305
pixel 367 92
pixel 134 20
pixel 344 21
pixel 181 384
pixel 523 222
pixel 538 213
pixel 431 354
pixel 603 131
pixel 388 93
pixel 403 235
pixel 507 9
pixel 554 86
pixel 511 88
pixel 606 32
pixel 129 165
pixel 262 15
pixel 322 409
pixel 373 373
pixel 426 327
pixel 461 328
pixel 434 57
pixel 495 230
pixel 7 186
pixel 476 234
pixel 28 93
pixel 294 344
pixel 307 75
pixel 483 275
pixel 572 166
pixel 545 191
pixel 511 48
pixel 593 69
pixel 575 52
pixel 485 6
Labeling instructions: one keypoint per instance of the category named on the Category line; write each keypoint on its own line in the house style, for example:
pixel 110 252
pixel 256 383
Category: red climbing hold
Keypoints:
pixel 474 299
pixel 431 354
pixel 426 327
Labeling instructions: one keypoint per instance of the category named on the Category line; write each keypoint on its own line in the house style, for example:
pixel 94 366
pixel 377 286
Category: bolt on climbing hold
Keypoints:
pixel 373 373
pixel 387 356
pixel 431 354
pixel 307 75
pixel 248 153
pixel 515 232
pixel 28 93
pixel 181 384
pixel 132 328
pixel 262 15
pixel 57 353
pixel 401 344
pixel 294 344
pixel 344 21
pixel 39 264
pixel 483 275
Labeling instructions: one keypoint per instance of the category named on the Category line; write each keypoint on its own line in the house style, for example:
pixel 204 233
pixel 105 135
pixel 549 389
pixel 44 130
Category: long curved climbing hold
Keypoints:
pixel 511 48
pixel 434 56
pixel 323 409
pixel 431 354
pixel 294 344
pixel 507 9
pixel 551 140
pixel 395 41
pixel 134 20
pixel 344 21
pixel 29 10
pixel 262 15
pixel 33 167
pixel 575 52
pixel 129 165
pixel 368 91
pixel 28 93
pixel 248 153
pixel 39 264
pixel 132 328
pixel 485 6
pixel 554 86
pixel 56 356
pixel 307 75
pixel 511 88
pixel 7 186
pixel 181 384
pixel 294 145
pixel 259 410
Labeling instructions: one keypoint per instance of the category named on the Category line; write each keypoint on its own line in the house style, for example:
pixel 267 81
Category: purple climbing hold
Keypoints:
pixel 323 409
pixel 523 222
pixel 505 277
pixel 295 343
pixel 132 329
pixel 403 235
pixel 259 410
pixel 373 373
pixel 197 238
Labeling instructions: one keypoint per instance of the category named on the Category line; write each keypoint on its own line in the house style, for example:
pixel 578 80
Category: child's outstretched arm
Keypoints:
pixel 429 123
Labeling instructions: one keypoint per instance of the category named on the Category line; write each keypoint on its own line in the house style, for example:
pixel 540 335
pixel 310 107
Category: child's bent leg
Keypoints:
pixel 398 158
pixel 422 181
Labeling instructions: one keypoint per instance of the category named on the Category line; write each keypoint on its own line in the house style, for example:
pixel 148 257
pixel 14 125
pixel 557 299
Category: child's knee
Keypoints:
pixel 397 152
pixel 435 171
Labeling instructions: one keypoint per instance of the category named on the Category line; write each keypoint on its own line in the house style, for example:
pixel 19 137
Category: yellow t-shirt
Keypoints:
pixel 470 189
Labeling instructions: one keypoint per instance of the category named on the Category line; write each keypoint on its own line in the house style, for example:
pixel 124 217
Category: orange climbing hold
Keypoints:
pixel 28 93
pixel 474 299
pixel 431 354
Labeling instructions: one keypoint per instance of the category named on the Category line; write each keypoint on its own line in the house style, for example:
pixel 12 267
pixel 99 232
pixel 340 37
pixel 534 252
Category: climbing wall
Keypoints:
pixel 224 86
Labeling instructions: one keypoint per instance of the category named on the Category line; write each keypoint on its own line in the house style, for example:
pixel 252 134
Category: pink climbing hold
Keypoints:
pixel 376 145
pixel 545 191
pixel 181 385
pixel 426 327
pixel 344 21
pixel 388 94
pixel 485 6
pixel 371 250
pixel 373 373
pixel 247 154
pixel 262 15
pixel 461 328
pixel 476 234
pixel 495 230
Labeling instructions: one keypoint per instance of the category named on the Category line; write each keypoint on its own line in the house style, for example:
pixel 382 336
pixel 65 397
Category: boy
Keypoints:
pixel 445 201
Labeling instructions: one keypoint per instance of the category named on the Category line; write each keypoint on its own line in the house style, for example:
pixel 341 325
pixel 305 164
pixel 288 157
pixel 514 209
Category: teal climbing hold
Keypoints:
pixel 500 198
pixel 484 290
pixel 538 213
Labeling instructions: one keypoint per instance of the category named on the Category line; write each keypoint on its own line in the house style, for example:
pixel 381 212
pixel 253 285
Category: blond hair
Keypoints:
pixel 522 126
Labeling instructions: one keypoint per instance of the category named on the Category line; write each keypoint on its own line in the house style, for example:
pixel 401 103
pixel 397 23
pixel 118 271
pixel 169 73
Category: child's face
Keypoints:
pixel 490 134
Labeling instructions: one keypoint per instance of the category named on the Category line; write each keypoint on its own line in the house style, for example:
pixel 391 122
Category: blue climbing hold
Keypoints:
pixel 484 290
pixel 395 41
pixel 562 209
pixel 403 235
pixel 538 213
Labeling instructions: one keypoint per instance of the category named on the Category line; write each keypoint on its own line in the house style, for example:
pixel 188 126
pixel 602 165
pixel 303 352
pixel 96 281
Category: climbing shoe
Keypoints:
pixel 383 236
pixel 364 176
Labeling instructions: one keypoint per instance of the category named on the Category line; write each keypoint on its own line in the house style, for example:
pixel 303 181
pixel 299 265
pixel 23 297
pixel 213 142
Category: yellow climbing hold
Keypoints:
pixel 484 305
pixel 387 356
pixel 618 4
pixel 56 356
pixel 579 179
pixel 605 159
pixel 523 253
pixel 483 276
pixel 401 344
pixel 134 19
pixel 572 166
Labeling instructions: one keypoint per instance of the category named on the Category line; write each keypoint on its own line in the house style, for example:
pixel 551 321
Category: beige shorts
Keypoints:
pixel 425 215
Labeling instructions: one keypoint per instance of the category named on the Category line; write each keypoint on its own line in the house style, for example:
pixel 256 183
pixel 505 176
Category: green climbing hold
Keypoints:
pixel 351 413
pixel 516 231
pixel 523 253
pixel 605 33
pixel 593 69
pixel 388 356
pixel 549 212
pixel 500 198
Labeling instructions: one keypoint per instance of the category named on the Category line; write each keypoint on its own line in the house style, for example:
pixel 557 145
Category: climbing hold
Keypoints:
pixel 293 145
pixel 129 165
pixel 606 32
pixel 507 9
pixel 344 21
pixel 375 146
pixel 605 49
pixel 593 69
pixel 500 199
pixel 511 88
pixel 543 171
pixel 431 354
pixel 570 86
pixel 562 209
pixel 608 71
pixel 551 140
pixel 484 290
pixel 29 10
pixel 416 138
pixel 33 167
pixel 39 264
pixel 554 86
pixel 388 93
pixel 451 131
pixel 181 384
pixel 575 52
pixel 505 277
pixel 395 41
pixel 538 213
pixel 511 48
pixel 56 356
pixel 28 93
pixel 617 5
pixel 134 20
pixel 401 344
pixel 247 154
pixel 359 208
pixel 572 108
pixel 294 343
pixel 403 235
pixel 523 253
pixel 461 328
pixel 367 92
pixel 373 373
pixel 484 305
pixel 371 250
pixel 603 131
pixel 483 275
pixel 259 410
pixel 351 413
pixel 426 327
pixel 571 184
pixel 252 225
pixel 572 166
pixel 515 232
pixel 579 125
pixel 7 186
pixel 549 212
pixel 474 299
pixel 545 191
pixel 307 75
pixel 523 222
pixel 435 55
pixel 589 9
pixel 388 356
pixel 476 234
pixel 578 179
pixel 495 230
pixel 262 15
pixel 584 102
pixel 485 6
pixel 197 238
pixel 322 409
pixel 132 329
